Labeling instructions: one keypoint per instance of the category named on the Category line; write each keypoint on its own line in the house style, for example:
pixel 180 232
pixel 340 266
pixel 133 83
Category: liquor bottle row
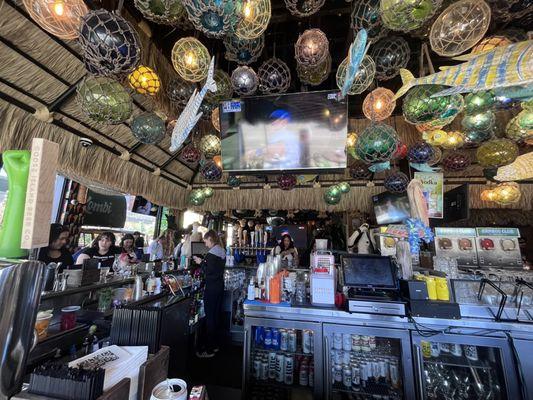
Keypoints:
pixel 285 369
pixel 290 340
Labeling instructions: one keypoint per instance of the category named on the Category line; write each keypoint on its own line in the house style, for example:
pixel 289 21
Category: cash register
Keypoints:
pixel 372 285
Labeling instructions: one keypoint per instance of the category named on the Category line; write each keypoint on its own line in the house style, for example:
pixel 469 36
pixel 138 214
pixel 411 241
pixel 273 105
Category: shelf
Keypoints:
pixel 274 383
pixel 294 353
pixel 453 361
pixel 371 389
pixel 87 288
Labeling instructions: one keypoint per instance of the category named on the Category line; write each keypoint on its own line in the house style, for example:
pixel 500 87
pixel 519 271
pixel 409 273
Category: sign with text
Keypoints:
pixel 433 187
pixel 105 210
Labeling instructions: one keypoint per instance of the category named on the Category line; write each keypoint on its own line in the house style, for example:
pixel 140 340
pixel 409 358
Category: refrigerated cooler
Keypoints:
pixel 283 359
pixel 367 363
pixel 464 367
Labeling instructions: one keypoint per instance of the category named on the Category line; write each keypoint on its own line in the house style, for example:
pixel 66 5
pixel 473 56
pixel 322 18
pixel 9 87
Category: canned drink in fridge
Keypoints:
pixel 275 338
pixel 471 352
pixel 306 341
pixel 337 373
pixel 311 379
pixel 257 368
pixel 363 373
pixel 280 368
pixel 264 369
pixel 346 342
pixel 271 365
pixel 426 349
pixel 312 347
pixel 445 347
pixel 268 338
pixel 289 369
pixel 356 343
pixel 365 345
pixel 303 376
pixel 347 377
pixel 435 349
pixel 456 350
pixel 346 357
pixel 356 377
pixel 372 342
pixel 384 369
pixel 292 340
pixel 283 340
pixel 394 375
pixel 337 356
pixel 337 341
pixel 259 336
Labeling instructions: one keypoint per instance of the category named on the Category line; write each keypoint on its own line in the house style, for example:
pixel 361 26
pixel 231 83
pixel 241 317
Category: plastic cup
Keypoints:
pixel 68 317
pixel 41 325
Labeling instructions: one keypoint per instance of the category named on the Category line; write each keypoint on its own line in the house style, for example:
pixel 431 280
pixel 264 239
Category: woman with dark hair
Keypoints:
pixel 102 248
pixel 287 251
pixel 127 246
pixel 55 251
pixel 213 266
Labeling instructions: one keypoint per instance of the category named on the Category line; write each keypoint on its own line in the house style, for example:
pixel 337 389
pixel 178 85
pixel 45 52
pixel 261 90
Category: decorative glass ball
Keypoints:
pixel 234 181
pixel 210 145
pixel 110 44
pixel 407 15
pixel 390 54
pixel 224 89
pixel 211 172
pixel 420 153
pixel 190 59
pixel 484 122
pixel 215 119
pixel 286 181
pixel 435 137
pixel 331 199
pixel 497 152
pixel 244 81
pixel 311 48
pixel 437 123
pixel 144 80
pixel 59 17
pixel 255 18
pixel 334 191
pixel 148 128
pixel 487 195
pixel 303 8
pixel 196 197
pixel 180 91
pixel 350 144
pixel 243 51
pixel 215 18
pixel 377 143
pixel 490 43
pixel 475 137
pixel 218 160
pixel 359 170
pixel 208 192
pixel 167 12
pixel 456 161
pixel 396 182
pixel 478 102
pixel 454 140
pixel 190 154
pixel 515 132
pixel 401 151
pixel 363 77
pixel 274 76
pixel 104 100
pixel 314 75
pixel 344 187
pixel 420 107
pixel 379 104
pixel 507 193
pixel 366 15
pixel 459 27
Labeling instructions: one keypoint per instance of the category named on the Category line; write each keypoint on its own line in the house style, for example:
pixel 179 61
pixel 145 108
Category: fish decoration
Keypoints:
pixel 500 67
pixel 190 116
pixel 521 93
pixel 356 53
pixel 519 169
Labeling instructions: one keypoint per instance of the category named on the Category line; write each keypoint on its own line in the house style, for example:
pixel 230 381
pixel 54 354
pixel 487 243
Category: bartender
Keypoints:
pixel 102 248
pixel 213 266
pixel 56 252
pixel 287 251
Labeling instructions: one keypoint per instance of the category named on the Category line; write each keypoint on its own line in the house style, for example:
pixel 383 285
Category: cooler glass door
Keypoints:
pixel 464 367
pixel 367 363
pixel 282 360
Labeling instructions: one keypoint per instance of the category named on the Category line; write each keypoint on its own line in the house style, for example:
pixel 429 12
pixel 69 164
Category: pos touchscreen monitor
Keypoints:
pixel 362 271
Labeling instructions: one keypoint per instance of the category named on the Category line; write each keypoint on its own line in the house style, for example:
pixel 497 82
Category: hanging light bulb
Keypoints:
pixel 190 59
pixel 248 11
pixel 59 8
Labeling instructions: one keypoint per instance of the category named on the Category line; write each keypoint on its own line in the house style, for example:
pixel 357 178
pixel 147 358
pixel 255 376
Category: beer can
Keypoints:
pixel 346 357
pixel 347 376
pixel 311 379
pixel 306 341
pixel 445 347
pixel 259 336
pixel 303 376
pixel 284 340
pixel 280 368
pixel 363 373
pixel 337 341
pixel 435 349
pixel 289 369
pixel 394 375
pixel 471 352
pixel 376 369
pixel 268 338
pixel 346 342
pixel 456 350
pixel 257 368
pixel 384 369
pixel 356 343
pixel 365 345
pixel 372 342
pixel 426 349
pixel 292 340
pixel 337 356
pixel 272 365
pixel 264 369
pixel 337 373
pixel 356 377
pixel 275 338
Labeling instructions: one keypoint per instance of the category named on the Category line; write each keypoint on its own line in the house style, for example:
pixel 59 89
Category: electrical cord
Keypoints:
pixel 521 379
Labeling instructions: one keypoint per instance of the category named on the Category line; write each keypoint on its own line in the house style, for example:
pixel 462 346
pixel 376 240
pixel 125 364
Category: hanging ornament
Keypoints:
pixel 487 195
pixel 376 144
pixel 366 15
pixel 475 137
pixel 331 199
pixel 401 151
pixel 311 48
pixel 456 161
pixel 363 78
pixel 490 43
pixel 420 153
pixel 359 170
pixel 211 172
pixel 215 18
pixel 274 76
pixel 350 144
pixel 244 81
pixel 144 80
pixel 215 119
pixel 434 137
pixel 208 192
pixel 243 51
pixel 379 104
pixel 479 102
pixel 396 182
pixel 520 132
pixel 315 75
pixel 210 145
pixel 303 8
pixel 59 17
pixel 234 181
pixel 190 59
pixel 104 100
pixel 166 12
pixel 459 27
pixel 344 187
pixel 506 193
pixel 148 128
pixel 110 44
pixel 390 54
pixel 255 17
pixel 454 140
pixel 180 91
pixel 334 191
pixel 224 90
pixel 286 181
pixel 419 106
pixel 497 152
pixel 196 197
pixel 190 154
pixel 407 15
pixel 482 122
pixel 437 123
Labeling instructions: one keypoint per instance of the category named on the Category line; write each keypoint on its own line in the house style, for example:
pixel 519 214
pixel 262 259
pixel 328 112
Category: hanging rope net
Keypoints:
pixel 190 59
pixel 243 51
pixel 303 8
pixel 244 81
pixel 254 20
pixel 166 12
pixel 215 18
pixel 274 76
pixel 363 77
pixel 390 54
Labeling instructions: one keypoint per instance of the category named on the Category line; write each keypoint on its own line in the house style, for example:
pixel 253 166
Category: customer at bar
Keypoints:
pixel 213 266
pixel 139 240
pixel 103 249
pixel 162 248
pixel 56 252
pixel 127 246
pixel 288 252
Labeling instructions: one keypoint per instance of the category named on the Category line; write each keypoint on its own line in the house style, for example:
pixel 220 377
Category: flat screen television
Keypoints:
pixel 456 205
pixel 391 208
pixel 288 132
pixel 143 206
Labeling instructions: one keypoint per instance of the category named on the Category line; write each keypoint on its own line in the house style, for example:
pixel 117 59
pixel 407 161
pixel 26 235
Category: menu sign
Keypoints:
pixel 104 210
pixel 433 188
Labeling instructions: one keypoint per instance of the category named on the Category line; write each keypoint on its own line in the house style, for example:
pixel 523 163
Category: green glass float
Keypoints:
pixel 215 18
pixel 482 122
pixel 479 102
pixel 196 197
pixel 474 137
pixel 148 128
pixel 407 15
pixel 104 100
pixel 497 152
pixel 344 187
pixel 366 15
pixel 332 195
pixel 525 119
pixel 208 192
pixel 420 107
pixel 210 145
pixel 377 143
pixel 167 12
pixel 518 129
pixel 224 88
pixel 234 181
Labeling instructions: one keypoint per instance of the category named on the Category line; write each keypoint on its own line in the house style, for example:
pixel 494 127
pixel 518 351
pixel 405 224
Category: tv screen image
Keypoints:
pixel 391 208
pixel 143 206
pixel 298 131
